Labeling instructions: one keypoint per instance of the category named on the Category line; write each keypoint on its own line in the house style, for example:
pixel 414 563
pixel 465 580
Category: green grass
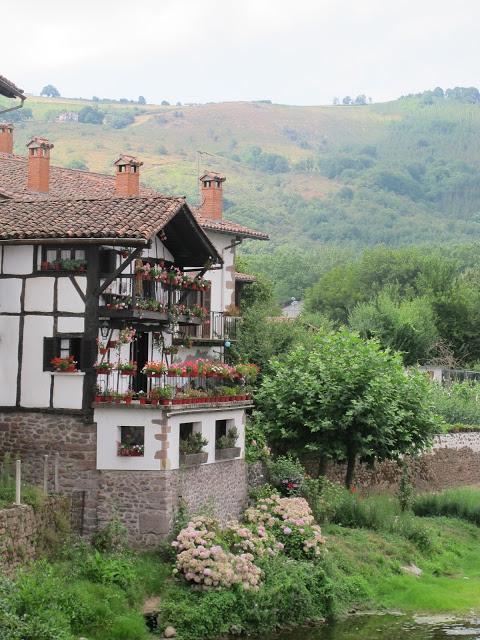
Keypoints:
pixel 461 503
pixel 450 582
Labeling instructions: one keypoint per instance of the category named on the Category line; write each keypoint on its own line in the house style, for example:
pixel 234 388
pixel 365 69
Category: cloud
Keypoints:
pixel 295 52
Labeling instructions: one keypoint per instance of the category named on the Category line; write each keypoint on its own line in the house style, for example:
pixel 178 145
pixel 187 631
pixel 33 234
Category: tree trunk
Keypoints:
pixel 322 466
pixel 351 461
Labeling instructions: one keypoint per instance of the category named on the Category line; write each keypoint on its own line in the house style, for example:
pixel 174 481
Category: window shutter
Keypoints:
pixel 87 354
pixel 50 351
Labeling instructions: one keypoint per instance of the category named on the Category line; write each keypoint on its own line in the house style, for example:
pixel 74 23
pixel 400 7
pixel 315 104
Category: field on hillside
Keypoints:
pixel 315 178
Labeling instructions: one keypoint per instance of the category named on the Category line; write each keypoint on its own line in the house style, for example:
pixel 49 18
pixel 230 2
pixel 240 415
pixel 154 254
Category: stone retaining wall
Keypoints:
pixel 25 531
pixel 32 434
pixel 453 461
pixel 146 501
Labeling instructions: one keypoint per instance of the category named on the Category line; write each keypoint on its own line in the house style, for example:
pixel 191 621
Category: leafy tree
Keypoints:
pixel 165 103
pixel 50 91
pixel 89 115
pixel 361 99
pixel 345 399
pixel 407 326
pixel 122 120
pixel 77 164
pixel 347 100
pixel 141 100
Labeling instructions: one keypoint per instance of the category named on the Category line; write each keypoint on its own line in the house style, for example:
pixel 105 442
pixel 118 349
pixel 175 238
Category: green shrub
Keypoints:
pixel 256 447
pixel 112 538
pixel 323 497
pixel 458 403
pixel 461 503
pixel 293 593
pixel 110 569
pixel 286 473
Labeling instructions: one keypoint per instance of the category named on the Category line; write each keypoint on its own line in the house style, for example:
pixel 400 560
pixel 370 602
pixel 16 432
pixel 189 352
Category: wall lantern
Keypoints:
pixel 227 344
pixel 104 329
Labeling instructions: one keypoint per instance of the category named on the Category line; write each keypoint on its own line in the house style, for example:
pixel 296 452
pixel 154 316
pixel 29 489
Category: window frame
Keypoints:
pixel 52 348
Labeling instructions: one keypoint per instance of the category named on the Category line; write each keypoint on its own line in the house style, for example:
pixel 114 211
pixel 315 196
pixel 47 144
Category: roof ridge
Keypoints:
pixel 160 196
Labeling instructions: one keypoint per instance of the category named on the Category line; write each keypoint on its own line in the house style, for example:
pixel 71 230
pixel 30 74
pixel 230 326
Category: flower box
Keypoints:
pixel 193 459
pixel 128 399
pixel 166 402
pixel 133 451
pixel 145 401
pixel 227 454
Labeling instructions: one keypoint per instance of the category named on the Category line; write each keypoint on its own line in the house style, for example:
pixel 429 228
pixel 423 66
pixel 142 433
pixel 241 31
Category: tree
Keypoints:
pixel 141 100
pixel 361 99
pixel 347 100
pixel 336 101
pixel 89 115
pixel 345 399
pixel 50 91
pixel 165 103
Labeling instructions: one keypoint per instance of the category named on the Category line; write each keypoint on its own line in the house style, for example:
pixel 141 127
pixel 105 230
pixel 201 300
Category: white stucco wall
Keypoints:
pixel 35 382
pixel 9 326
pixel 157 250
pixel 39 294
pixel 111 417
pixel 68 297
pixel 10 292
pixel 221 296
pixel 18 259
pixel 70 325
pixel 67 390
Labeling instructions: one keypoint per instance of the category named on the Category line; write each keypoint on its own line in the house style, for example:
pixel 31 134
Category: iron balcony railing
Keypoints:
pixel 217 326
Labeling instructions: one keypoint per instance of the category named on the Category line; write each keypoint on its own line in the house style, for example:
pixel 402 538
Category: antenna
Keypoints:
pixel 199 154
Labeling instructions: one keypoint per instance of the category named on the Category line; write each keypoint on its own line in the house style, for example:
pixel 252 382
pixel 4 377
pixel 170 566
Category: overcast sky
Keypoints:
pixel 288 51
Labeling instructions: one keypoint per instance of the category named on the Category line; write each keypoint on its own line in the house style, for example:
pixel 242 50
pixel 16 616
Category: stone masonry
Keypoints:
pixel 23 529
pixel 453 461
pixel 146 501
pixel 32 434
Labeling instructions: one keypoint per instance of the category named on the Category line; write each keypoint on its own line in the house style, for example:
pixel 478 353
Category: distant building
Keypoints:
pixel 293 310
pixel 67 116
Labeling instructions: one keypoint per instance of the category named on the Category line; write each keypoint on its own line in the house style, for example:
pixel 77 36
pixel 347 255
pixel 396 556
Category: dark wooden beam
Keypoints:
pixel 77 287
pixel 91 326
pixel 135 254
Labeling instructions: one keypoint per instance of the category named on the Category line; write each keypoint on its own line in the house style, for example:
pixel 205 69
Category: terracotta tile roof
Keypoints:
pixel 126 218
pixel 74 183
pixel 244 277
pixel 64 183
pixel 225 226
pixel 9 90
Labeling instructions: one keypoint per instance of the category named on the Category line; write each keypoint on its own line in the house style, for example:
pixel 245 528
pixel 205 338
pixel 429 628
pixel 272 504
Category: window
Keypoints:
pixel 186 430
pixel 63 259
pixel 63 347
pixel 132 441
pixel 220 428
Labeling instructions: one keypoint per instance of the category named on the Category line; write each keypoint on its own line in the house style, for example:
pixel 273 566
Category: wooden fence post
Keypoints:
pixel 18 482
pixel 45 474
pixel 56 473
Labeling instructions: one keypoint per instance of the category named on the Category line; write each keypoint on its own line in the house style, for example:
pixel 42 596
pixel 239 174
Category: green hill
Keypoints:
pixel 323 181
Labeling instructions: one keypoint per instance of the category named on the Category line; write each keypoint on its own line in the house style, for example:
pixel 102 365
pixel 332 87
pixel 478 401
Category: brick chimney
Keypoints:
pixel 6 137
pixel 39 164
pixel 127 178
pixel 212 195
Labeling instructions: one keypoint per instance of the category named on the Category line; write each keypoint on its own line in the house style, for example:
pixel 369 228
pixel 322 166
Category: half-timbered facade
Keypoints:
pixel 99 278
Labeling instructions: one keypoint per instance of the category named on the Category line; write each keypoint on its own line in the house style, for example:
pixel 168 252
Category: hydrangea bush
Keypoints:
pixel 292 523
pixel 209 557
pixel 204 561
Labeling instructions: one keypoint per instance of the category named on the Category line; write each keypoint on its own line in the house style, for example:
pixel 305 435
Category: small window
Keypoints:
pixel 132 441
pixel 220 428
pixel 62 347
pixel 186 430
pixel 63 259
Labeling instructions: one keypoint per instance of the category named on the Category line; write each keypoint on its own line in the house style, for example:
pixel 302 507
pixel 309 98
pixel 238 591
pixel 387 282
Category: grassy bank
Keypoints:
pixel 98 593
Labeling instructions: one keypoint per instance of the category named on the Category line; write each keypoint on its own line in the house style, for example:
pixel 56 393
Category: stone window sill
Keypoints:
pixel 70 374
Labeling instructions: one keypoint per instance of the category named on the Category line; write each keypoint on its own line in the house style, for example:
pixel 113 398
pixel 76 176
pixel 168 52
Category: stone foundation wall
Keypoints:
pixel 146 501
pixel 454 461
pixel 31 435
pixel 24 531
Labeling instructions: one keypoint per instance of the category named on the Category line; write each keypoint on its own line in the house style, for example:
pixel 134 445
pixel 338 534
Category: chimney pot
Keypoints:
pixel 6 137
pixel 39 164
pixel 212 195
pixel 127 177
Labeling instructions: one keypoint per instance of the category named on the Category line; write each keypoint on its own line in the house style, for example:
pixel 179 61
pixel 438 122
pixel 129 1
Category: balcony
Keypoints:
pixel 150 302
pixel 212 330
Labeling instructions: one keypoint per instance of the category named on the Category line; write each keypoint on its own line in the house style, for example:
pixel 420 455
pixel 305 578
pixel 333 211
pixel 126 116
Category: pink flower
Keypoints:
pixel 287 531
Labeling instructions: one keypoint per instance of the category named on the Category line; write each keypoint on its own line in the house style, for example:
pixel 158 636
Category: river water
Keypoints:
pixel 375 627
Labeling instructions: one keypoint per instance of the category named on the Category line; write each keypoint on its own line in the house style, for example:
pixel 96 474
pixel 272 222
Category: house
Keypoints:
pixel 109 289
pixel 67 116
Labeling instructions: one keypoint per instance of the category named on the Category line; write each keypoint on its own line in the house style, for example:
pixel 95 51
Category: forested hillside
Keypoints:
pixel 325 181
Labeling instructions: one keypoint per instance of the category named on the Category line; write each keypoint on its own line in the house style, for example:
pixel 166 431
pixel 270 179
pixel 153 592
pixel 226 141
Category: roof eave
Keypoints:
pixel 125 242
